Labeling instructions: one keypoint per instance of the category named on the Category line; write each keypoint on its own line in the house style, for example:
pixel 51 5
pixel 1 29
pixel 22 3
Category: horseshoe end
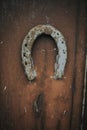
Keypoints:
pixel 31 76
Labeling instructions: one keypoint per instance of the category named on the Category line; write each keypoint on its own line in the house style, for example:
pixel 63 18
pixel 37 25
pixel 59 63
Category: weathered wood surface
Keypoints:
pixel 45 103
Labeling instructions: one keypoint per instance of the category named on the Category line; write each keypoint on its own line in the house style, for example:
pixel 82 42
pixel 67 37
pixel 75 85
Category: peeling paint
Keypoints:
pixel 64 112
pixel 5 88
pixel 27 48
pixel 1 42
pixel 25 109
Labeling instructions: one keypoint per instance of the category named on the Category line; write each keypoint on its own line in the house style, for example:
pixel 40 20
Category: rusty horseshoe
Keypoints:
pixel 28 41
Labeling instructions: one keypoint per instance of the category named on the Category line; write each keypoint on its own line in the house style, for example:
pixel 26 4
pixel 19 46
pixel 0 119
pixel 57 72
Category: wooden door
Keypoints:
pixel 44 103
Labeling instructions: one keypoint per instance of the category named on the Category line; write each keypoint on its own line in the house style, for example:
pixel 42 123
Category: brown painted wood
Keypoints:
pixel 59 101
pixel 79 68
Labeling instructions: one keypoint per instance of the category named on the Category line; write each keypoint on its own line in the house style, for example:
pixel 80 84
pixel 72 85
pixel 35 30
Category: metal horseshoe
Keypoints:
pixel 28 41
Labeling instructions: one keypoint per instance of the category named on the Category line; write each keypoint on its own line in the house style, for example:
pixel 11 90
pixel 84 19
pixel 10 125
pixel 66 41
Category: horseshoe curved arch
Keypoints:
pixel 28 42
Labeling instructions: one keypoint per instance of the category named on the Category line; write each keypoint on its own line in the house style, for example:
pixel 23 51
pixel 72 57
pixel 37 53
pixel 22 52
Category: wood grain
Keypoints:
pixel 60 107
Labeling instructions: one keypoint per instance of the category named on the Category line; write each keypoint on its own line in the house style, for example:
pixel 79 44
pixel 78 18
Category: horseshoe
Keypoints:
pixel 28 42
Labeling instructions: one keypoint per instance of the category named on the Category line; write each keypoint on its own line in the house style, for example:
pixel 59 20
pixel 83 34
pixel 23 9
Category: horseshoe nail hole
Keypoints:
pixel 63 51
pixel 27 36
pixel 25 63
pixel 26 45
pixel 57 33
pixel 62 42
pixel 24 54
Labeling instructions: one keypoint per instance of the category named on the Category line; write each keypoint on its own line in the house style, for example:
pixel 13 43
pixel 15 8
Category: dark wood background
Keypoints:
pixel 59 101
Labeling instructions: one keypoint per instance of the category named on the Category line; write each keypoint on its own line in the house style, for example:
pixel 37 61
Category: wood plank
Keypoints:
pixel 79 68
pixel 56 99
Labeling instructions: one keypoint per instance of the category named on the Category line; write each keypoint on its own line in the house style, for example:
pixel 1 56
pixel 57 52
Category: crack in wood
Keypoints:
pixel 37 105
